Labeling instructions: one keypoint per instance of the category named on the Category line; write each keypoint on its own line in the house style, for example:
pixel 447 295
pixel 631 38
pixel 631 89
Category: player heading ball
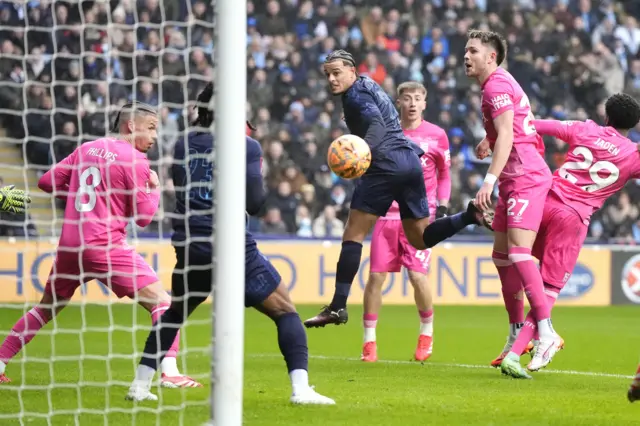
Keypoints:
pixel 395 174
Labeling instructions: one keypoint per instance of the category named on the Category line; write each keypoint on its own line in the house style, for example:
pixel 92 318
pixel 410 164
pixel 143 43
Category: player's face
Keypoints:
pixel 146 132
pixel 477 56
pixel 339 76
pixel 412 105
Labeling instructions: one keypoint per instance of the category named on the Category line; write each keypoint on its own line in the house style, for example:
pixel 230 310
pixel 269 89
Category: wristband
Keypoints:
pixel 490 179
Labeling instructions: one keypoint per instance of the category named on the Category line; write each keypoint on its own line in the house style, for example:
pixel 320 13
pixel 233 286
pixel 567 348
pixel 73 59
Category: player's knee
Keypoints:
pixel 500 259
pixel 153 294
pixel 278 303
pixel 418 280
pixel 359 224
pixel 376 279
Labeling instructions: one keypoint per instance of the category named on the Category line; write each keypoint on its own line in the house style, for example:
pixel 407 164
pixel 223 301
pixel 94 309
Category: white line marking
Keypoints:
pixel 445 364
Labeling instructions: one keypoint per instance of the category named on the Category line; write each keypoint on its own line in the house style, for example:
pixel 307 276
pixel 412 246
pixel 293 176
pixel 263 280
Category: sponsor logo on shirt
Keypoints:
pixel 500 101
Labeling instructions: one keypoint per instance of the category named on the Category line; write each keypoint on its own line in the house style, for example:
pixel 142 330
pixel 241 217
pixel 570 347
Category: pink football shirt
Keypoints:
pixel 599 163
pixel 500 93
pixel 106 182
pixel 436 162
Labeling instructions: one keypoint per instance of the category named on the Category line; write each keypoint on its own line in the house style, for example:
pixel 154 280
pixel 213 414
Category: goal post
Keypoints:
pixel 228 305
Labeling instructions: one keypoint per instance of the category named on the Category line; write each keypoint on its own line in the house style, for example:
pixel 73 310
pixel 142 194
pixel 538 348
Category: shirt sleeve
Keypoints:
pixel 498 96
pixel 255 186
pixel 145 199
pixel 57 178
pixel 443 164
pixel 564 130
pixel 371 118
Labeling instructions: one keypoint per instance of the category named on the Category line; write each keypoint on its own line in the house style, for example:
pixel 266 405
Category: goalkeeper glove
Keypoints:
pixel 13 200
pixel 441 211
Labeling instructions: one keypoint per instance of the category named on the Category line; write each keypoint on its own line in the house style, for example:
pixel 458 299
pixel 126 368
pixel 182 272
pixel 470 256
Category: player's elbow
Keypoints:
pixel 45 184
pixel 143 221
pixel 255 204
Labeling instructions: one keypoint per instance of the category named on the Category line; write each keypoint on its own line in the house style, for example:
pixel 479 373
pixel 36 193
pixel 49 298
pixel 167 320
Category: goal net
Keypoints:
pixel 66 68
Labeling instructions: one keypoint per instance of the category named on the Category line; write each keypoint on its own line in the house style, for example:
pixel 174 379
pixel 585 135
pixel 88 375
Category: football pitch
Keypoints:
pixel 586 383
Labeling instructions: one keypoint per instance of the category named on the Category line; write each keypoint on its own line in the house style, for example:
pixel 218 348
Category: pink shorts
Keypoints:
pixel 122 270
pixel 562 233
pixel 521 201
pixel 390 250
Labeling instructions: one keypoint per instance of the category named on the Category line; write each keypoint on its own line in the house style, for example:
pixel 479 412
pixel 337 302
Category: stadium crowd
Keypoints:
pixel 66 67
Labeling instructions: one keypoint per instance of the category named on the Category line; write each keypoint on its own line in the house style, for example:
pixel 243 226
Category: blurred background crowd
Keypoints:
pixel 65 67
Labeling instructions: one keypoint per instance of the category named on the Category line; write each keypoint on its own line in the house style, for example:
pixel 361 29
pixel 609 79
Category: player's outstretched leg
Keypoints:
pixel 424 303
pixel 372 302
pixel 358 227
pixel 292 341
pixel 26 328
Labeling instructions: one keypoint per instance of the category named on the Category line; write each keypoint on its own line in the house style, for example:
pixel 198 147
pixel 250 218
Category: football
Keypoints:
pixel 349 156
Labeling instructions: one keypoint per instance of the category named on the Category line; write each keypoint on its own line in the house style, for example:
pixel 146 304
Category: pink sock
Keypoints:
pixel 511 287
pixel 426 317
pixel 530 329
pixel 22 333
pixel 156 313
pixel 532 281
pixel 552 297
pixel 370 320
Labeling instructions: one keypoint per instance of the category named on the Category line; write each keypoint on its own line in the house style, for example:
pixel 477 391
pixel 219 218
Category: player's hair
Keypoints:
pixel 130 111
pixel 205 115
pixel 493 39
pixel 411 86
pixel 341 55
pixel 623 111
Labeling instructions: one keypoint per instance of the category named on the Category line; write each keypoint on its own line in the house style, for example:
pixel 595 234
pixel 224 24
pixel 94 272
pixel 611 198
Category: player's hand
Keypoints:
pixel 154 182
pixel 483 198
pixel 441 211
pixel 13 200
pixel 483 150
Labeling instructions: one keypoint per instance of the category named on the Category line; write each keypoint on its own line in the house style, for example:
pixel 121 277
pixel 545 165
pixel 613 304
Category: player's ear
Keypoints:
pixel 131 126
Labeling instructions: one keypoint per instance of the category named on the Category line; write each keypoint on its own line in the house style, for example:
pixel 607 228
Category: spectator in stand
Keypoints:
pixel 60 86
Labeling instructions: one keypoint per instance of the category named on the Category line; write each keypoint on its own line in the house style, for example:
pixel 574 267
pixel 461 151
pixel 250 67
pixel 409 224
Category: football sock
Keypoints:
pixel 533 287
pixel 370 321
pixel 22 332
pixel 512 292
pixel 292 341
pixel 348 264
pixel 444 228
pixel 164 334
pixel 169 365
pixel 530 329
pixel 426 322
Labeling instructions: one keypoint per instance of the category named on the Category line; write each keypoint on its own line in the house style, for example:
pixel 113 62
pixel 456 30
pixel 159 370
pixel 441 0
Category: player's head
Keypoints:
pixel 138 123
pixel 412 100
pixel 622 112
pixel 485 51
pixel 205 114
pixel 340 69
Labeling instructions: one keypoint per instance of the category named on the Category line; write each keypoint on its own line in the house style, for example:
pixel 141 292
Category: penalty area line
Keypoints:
pixel 450 365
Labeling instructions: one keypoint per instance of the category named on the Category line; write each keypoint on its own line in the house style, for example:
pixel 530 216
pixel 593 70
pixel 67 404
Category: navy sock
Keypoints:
pixel 444 228
pixel 348 265
pixel 164 333
pixel 292 340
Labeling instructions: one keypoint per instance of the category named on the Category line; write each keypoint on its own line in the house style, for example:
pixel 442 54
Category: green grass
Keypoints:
pixel 450 389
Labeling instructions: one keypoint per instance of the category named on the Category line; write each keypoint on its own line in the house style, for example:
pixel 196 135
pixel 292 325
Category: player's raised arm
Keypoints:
pixel 255 186
pixel 443 164
pixel 564 130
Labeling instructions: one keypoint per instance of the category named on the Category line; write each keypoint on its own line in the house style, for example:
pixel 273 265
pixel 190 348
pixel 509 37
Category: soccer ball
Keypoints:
pixel 349 156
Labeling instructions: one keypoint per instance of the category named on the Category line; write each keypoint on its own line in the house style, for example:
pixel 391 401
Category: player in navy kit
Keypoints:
pixel 192 277
pixel 395 174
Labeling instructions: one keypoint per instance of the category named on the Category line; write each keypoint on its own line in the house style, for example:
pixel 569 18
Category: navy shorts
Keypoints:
pixel 376 191
pixel 261 279
pixel 193 275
